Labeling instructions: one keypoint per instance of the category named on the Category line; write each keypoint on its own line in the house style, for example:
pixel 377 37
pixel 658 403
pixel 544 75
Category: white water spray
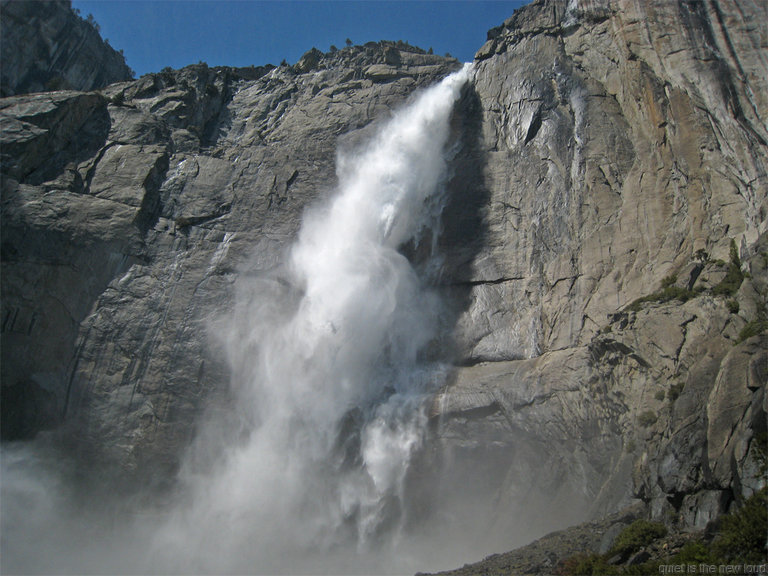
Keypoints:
pixel 328 374
pixel 330 386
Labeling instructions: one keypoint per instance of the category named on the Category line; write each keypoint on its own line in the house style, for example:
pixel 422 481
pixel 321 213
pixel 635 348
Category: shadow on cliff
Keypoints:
pixel 464 225
pixel 436 537
pixel 39 316
pixel 446 260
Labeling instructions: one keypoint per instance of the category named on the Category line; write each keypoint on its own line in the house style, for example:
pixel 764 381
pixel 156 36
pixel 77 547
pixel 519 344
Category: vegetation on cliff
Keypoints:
pixel 737 539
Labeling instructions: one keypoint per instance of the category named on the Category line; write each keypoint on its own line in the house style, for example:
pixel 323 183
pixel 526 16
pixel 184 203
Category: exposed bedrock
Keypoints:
pixel 614 341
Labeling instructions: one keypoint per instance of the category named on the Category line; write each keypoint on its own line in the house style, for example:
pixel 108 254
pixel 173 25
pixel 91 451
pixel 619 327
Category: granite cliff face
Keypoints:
pixel 624 151
pixel 605 256
pixel 46 46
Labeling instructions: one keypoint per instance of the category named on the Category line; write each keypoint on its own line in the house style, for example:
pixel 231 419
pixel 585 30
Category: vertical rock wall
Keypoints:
pixel 625 153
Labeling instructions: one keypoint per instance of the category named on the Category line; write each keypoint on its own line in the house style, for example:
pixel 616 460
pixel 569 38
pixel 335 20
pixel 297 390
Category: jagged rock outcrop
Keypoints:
pixel 45 46
pixel 605 244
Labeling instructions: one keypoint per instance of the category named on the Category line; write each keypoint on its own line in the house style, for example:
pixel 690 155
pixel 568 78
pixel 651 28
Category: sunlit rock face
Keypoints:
pixel 601 153
pixel 623 144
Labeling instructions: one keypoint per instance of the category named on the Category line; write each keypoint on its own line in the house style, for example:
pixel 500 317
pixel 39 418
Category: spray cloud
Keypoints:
pixel 330 382
pixel 329 375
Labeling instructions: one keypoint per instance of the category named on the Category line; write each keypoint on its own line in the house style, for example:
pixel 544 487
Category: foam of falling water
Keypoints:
pixel 330 378
pixel 329 383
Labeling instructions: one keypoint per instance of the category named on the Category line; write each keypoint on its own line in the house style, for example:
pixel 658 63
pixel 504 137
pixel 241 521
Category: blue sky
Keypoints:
pixel 154 34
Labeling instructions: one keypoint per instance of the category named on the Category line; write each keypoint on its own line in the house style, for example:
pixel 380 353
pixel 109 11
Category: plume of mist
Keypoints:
pixel 327 361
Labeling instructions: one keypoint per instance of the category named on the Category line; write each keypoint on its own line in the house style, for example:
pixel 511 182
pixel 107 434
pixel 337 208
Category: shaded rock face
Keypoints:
pixel 625 149
pixel 609 151
pixel 45 46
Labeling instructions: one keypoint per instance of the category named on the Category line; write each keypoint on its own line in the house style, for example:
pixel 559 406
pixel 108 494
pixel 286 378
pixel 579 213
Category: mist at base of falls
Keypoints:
pixel 331 382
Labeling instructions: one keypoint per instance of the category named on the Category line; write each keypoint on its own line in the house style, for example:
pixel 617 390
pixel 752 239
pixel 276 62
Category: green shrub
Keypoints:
pixel 668 281
pixel 733 306
pixel 647 418
pixel 118 99
pixel 667 293
pixel 752 328
pixel 729 285
pixel 733 254
pixel 690 556
pixel 168 76
pixel 757 325
pixel 760 443
pixel 637 535
pixel 742 534
pixel 660 394
pixel 694 552
pixel 740 539
pixel 675 390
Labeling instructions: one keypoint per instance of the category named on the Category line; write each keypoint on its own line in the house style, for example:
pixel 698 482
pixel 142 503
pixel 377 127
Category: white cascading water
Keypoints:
pixel 330 386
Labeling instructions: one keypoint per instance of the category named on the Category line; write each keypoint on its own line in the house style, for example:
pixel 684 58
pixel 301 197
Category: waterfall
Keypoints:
pixel 330 383
pixel 328 362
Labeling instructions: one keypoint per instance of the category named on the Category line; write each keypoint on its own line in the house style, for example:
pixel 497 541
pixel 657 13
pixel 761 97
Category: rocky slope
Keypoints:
pixel 45 46
pixel 605 250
